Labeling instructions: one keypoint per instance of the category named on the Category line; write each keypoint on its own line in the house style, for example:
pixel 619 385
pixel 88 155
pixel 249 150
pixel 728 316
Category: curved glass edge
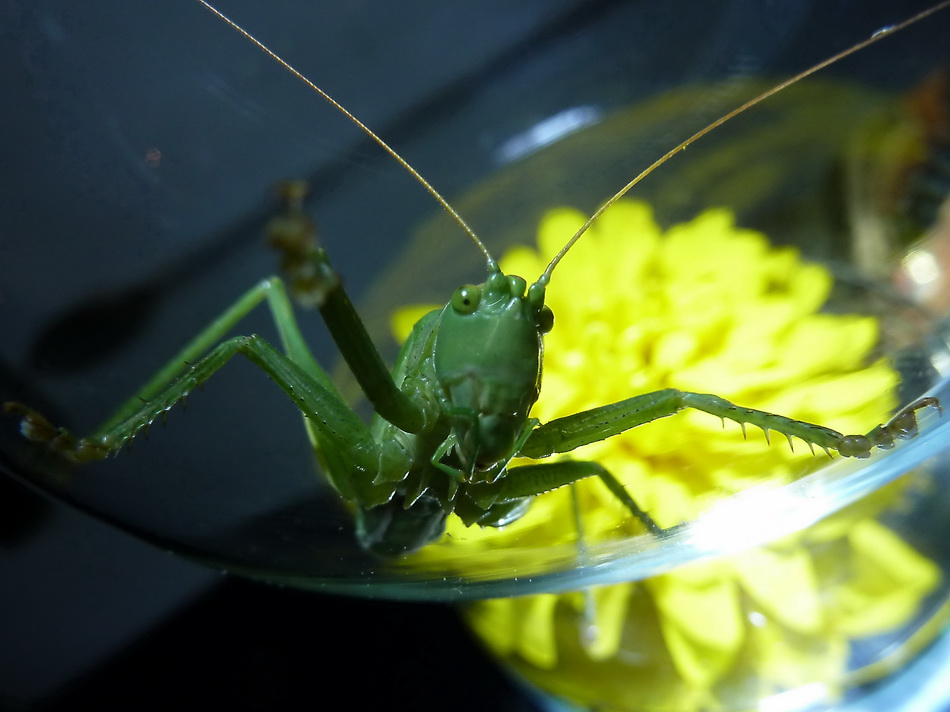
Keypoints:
pixel 764 515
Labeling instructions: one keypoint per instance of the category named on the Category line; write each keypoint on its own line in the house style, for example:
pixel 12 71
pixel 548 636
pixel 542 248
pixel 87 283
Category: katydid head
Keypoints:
pixel 487 355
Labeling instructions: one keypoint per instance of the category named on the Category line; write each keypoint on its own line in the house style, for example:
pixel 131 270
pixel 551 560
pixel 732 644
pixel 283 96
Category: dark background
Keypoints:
pixel 92 617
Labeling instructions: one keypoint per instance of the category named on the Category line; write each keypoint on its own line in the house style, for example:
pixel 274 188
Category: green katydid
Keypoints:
pixel 455 410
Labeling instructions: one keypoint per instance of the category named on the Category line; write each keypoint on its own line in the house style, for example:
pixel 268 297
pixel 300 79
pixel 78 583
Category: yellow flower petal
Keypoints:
pixel 790 662
pixel 783 585
pixel 889 579
pixel 535 626
pixel 701 621
pixel 704 611
pixel 405 318
pixel 609 603
pixel 707 307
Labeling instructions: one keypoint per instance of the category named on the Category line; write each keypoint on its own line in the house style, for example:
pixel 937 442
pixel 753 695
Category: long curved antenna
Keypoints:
pixel 876 37
pixel 492 265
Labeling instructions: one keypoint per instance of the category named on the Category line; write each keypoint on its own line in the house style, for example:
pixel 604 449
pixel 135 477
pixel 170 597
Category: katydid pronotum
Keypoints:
pixel 451 416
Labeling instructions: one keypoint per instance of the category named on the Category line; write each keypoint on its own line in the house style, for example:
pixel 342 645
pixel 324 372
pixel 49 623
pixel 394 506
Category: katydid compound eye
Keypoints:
pixel 545 319
pixel 465 300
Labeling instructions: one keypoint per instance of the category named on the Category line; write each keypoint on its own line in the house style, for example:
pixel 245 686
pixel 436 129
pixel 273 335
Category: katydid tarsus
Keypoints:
pixel 455 410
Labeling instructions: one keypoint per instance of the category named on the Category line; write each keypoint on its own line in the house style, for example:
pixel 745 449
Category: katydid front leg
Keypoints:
pixel 573 431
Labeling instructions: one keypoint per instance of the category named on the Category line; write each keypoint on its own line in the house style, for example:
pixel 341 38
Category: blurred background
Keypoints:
pixel 142 144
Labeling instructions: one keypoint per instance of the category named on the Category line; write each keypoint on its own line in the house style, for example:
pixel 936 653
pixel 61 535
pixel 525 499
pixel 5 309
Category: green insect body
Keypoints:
pixel 451 415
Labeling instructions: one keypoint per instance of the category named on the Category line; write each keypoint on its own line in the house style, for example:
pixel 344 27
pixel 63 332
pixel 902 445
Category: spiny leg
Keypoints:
pixel 293 234
pixel 573 431
pixel 566 434
pixel 37 427
pixel 315 283
pixel 273 291
pixel 339 427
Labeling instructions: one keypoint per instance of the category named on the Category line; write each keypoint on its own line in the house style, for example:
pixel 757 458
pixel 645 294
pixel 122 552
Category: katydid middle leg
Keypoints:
pixel 494 500
pixel 528 480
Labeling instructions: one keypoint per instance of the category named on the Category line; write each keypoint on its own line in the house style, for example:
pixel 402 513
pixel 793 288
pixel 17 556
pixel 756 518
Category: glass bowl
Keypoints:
pixel 143 174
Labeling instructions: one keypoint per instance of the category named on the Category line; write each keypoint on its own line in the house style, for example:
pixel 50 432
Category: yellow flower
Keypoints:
pixel 713 308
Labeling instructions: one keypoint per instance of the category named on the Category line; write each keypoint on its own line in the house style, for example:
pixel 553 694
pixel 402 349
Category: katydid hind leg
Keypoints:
pixel 298 374
pixel 341 432
pixel 272 290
